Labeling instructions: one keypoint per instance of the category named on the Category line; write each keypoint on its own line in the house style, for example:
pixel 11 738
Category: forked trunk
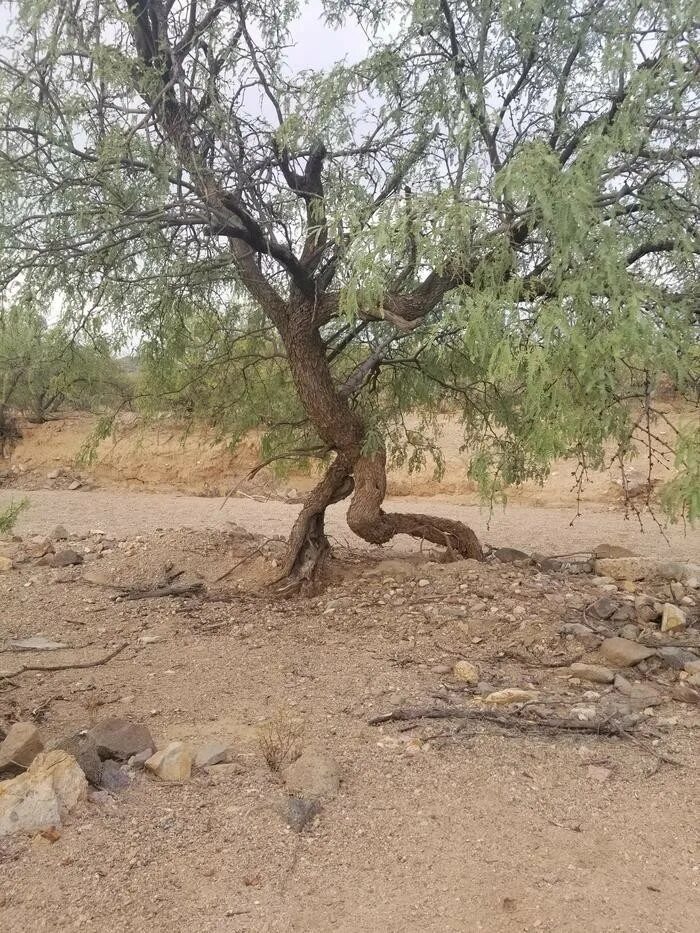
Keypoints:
pixel 352 472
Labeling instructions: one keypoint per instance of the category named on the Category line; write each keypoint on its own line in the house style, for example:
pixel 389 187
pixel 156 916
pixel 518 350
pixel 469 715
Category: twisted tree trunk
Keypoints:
pixel 351 473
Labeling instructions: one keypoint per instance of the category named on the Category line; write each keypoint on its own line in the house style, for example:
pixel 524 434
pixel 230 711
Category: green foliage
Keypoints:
pixel 44 368
pixel 9 515
pixel 504 223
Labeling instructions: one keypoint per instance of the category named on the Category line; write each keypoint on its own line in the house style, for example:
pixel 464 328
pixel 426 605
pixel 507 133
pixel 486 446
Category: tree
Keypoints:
pixel 43 368
pixel 495 209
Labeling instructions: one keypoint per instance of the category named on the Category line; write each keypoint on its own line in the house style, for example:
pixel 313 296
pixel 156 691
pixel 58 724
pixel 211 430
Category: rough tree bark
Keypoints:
pixel 351 473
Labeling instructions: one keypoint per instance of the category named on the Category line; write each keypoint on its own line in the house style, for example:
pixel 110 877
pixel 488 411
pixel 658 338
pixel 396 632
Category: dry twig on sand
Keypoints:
pixel 75 665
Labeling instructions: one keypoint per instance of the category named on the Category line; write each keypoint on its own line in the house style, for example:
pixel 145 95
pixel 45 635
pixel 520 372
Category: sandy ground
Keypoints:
pixel 547 530
pixel 434 830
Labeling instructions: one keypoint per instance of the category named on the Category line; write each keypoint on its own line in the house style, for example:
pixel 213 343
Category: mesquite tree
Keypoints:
pixel 491 211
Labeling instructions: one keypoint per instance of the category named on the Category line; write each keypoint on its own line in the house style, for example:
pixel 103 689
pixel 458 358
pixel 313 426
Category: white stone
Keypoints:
pixel 42 796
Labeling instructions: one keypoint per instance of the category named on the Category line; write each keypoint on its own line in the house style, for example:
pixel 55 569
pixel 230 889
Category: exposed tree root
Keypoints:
pixel 368 520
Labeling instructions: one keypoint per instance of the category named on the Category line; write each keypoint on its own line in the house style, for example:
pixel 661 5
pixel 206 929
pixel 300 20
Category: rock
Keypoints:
pixel 41 798
pixel 466 672
pixel 298 812
pixel 625 613
pixel 20 747
pixel 597 773
pixel 510 695
pixel 681 692
pixel 677 658
pixel 677 590
pixel 624 653
pixel 82 747
pixel 53 474
pixel 509 555
pixel 115 778
pixel 672 618
pixel 584 713
pixel 342 602
pixel 138 762
pixel 65 558
pixel 603 607
pixel 692 582
pixel 606 551
pixel 483 688
pixel 629 631
pixel 585 635
pixel 594 673
pixel 5 564
pixel 37 643
pixel 313 776
pixel 642 568
pixel 172 763
pixel 59 533
pixel 692 667
pixel 643 694
pixel 76 484
pixel 211 754
pixel 694 680
pixel 550 564
pixel 39 546
pixel 646 613
pixel 120 739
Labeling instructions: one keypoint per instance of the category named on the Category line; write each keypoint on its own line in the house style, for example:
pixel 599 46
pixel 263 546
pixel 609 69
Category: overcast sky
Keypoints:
pixel 315 45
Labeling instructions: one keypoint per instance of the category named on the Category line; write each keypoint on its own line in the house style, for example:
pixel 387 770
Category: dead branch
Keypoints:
pixel 173 589
pixel 243 560
pixel 67 667
pixel 516 721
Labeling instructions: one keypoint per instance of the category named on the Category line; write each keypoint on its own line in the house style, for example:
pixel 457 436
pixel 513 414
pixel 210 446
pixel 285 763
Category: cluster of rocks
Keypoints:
pixel 42 785
pixel 59 549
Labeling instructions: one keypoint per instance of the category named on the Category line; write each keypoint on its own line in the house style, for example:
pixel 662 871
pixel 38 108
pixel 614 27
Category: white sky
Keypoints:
pixel 315 44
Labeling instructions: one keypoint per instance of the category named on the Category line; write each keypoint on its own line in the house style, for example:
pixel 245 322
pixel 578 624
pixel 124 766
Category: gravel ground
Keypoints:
pixel 436 828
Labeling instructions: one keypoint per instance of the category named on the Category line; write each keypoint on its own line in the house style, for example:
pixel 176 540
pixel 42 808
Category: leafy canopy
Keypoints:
pixel 494 210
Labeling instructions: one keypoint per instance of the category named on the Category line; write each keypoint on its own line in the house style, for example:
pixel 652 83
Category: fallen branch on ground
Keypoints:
pixel 173 589
pixel 515 721
pixel 67 667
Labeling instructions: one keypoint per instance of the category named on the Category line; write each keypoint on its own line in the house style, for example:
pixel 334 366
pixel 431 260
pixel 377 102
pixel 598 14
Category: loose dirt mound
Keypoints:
pixel 494 823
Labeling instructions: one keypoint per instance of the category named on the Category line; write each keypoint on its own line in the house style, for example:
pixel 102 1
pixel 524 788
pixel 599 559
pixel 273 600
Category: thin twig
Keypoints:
pixel 67 667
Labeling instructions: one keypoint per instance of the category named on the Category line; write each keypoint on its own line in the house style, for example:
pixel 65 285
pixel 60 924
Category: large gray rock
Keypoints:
pixel 211 754
pixel 313 776
pixel 82 747
pixel 65 558
pixel 120 739
pixel 41 797
pixel 20 747
pixel 621 652
pixel 603 607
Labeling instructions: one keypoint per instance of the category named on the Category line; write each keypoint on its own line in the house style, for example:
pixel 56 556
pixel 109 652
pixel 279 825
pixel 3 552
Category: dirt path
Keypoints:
pixel 548 530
